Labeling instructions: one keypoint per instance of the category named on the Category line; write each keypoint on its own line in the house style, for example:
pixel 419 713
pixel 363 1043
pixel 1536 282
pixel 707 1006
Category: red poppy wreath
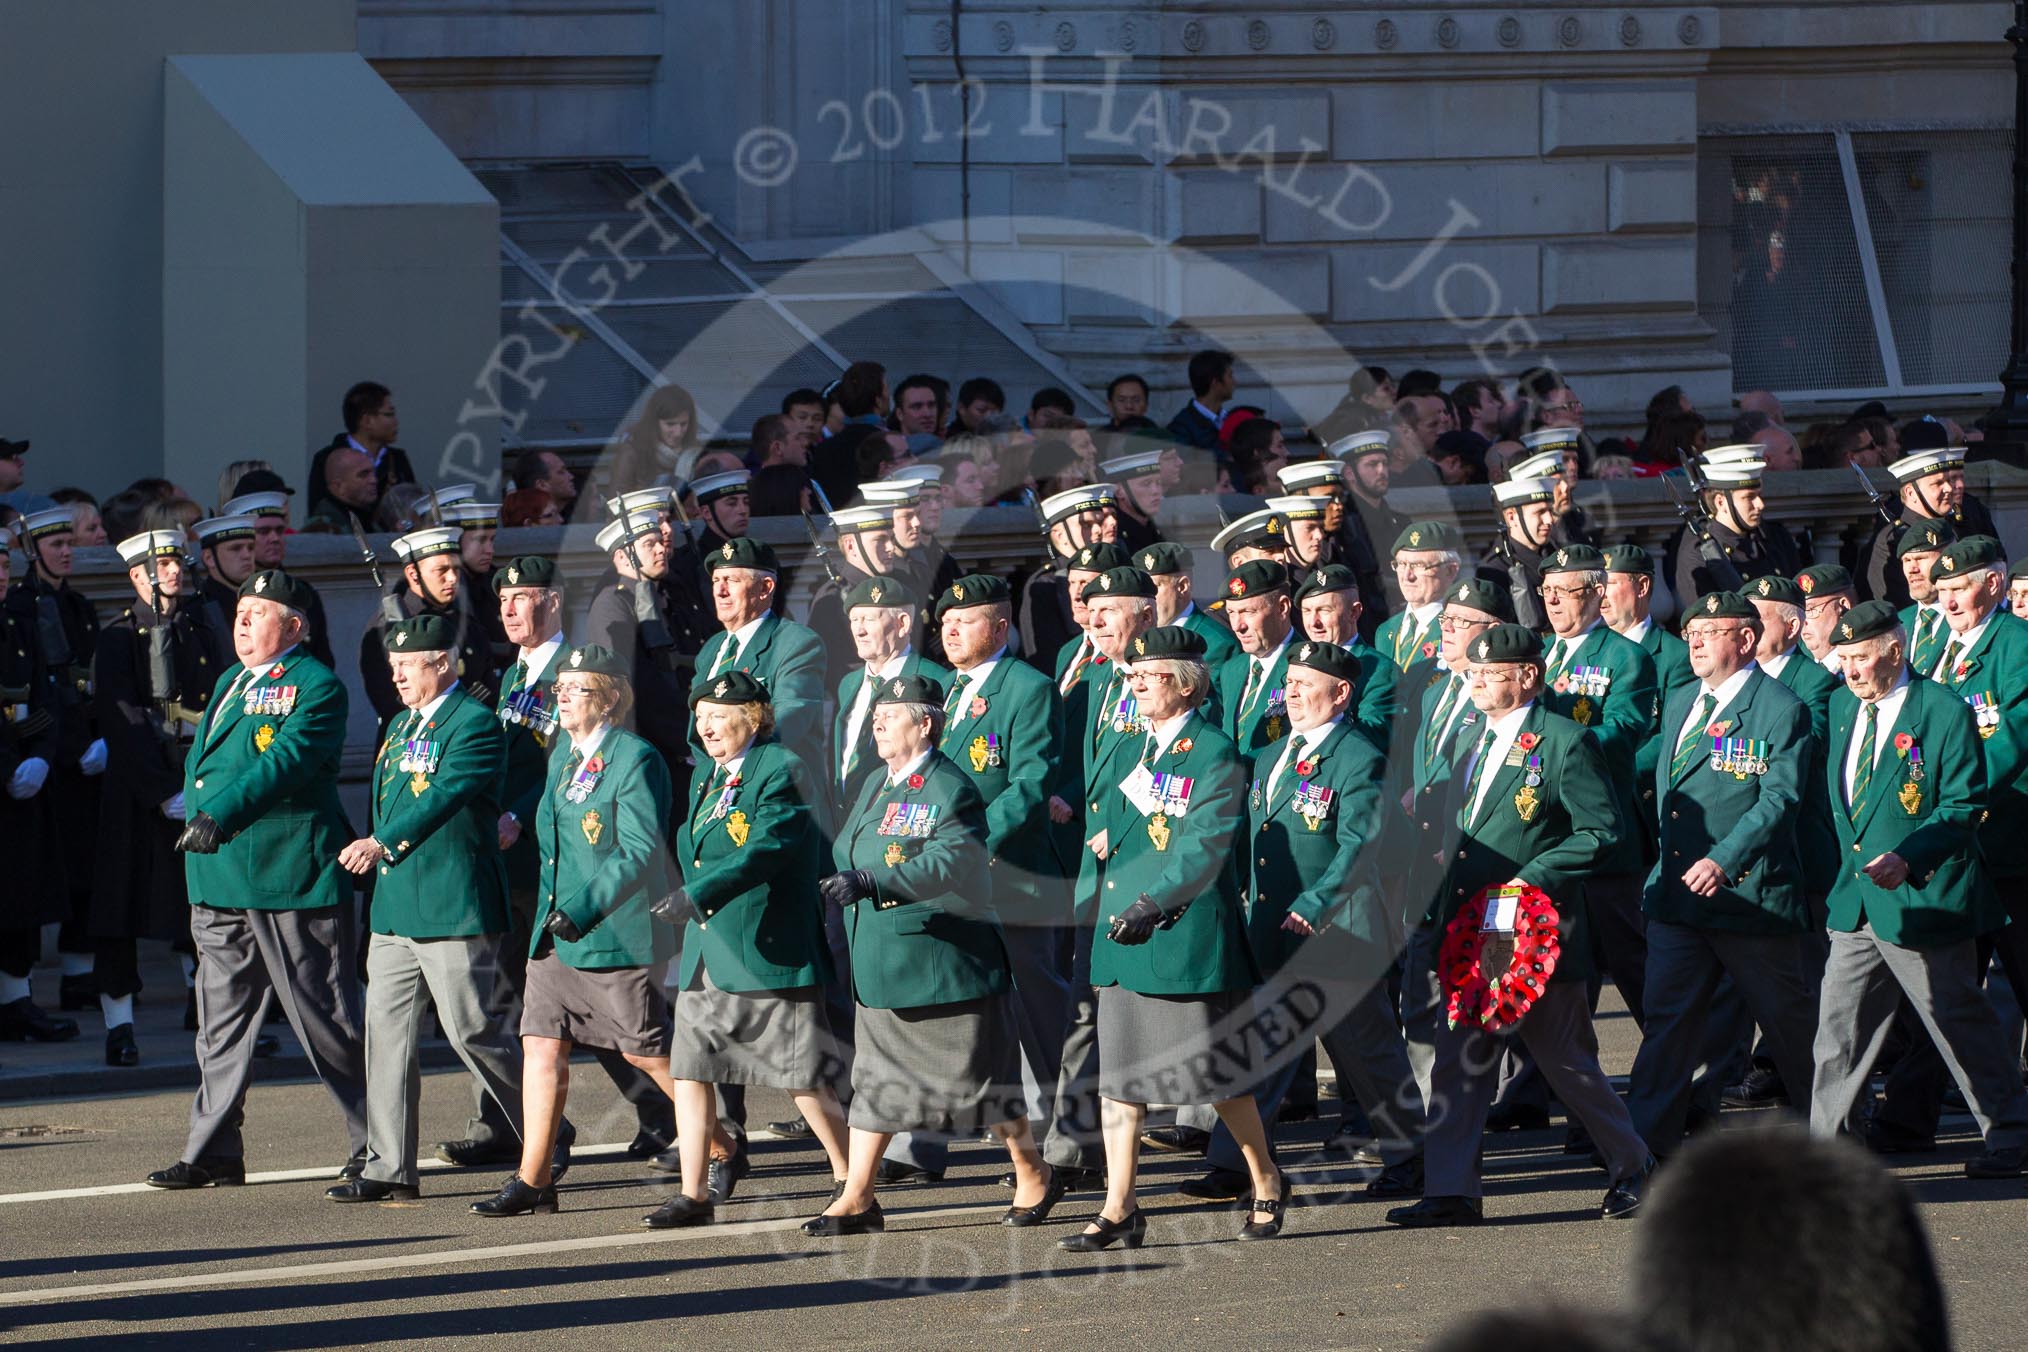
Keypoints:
pixel 1497 1002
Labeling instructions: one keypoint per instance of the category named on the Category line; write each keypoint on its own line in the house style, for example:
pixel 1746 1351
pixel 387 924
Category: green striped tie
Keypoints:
pixel 1947 671
pixel 1923 657
pixel 1692 745
pixel 1432 737
pixel 1862 777
pixel 1480 756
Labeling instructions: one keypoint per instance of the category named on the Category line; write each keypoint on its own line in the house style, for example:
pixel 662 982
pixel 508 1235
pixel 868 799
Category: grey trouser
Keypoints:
pixel 403 976
pixel 308 959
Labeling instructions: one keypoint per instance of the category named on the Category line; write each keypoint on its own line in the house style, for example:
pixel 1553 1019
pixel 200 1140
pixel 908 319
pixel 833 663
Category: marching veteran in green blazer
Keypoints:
pixel 439 901
pixel 785 657
pixel 270 908
pixel 1328 607
pixel 935 1047
pixel 600 833
pixel 1170 956
pixel 1629 591
pixel 1252 693
pixel 1908 786
pixel 1535 809
pixel 1726 898
pixel 749 1001
pixel 880 614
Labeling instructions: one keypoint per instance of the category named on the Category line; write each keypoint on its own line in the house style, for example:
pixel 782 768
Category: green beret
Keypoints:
pixel 1508 643
pixel 1821 579
pixel 1332 577
pixel 1486 597
pixel 272 584
pixel 1775 588
pixel 1426 535
pixel 743 553
pixel 2019 570
pixel 1574 559
pixel 530 570
pixel 1721 605
pixel 1256 577
pixel 1328 658
pixel 421 634
pixel 1120 582
pixel 734 687
pixel 1100 558
pixel 880 591
pixel 1972 552
pixel 1629 559
pixel 1170 640
pixel 1919 539
pixel 596 661
pixel 1164 558
pixel 1868 619
pixel 974 589
pixel 910 690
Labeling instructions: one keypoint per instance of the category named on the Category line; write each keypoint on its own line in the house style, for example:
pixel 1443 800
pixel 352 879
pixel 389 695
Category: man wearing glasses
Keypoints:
pixel 1425 566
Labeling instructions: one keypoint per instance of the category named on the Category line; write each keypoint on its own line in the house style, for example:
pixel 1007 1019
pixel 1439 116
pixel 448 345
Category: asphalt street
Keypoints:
pixel 90 1256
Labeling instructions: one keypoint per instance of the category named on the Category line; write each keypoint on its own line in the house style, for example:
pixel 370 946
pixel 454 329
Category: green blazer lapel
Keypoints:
pixel 1316 756
pixel 754 655
pixel 1737 718
pixel 1508 773
pixel 1973 658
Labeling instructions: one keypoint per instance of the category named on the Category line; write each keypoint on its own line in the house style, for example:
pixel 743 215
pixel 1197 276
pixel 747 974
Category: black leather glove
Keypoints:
pixel 201 835
pixel 674 909
pixel 1136 924
pixel 842 889
pixel 562 927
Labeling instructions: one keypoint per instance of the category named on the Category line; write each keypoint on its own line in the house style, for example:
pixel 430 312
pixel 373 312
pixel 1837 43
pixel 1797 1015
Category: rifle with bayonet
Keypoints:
pixel 390 603
pixel 821 552
pixel 1528 610
pixel 1874 495
pixel 1718 565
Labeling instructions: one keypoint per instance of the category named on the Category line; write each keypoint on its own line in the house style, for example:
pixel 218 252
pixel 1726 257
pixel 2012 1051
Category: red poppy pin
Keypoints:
pixel 1183 747
pixel 1561 685
pixel 1902 742
pixel 915 781
pixel 276 670
pixel 1429 650
pixel 595 765
pixel 1526 741
pixel 1306 768
pixel 736 781
pixel 978 706
pixel 1717 729
pixel 1236 587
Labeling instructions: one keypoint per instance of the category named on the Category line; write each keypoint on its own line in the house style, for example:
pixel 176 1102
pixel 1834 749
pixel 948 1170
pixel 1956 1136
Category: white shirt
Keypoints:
pixel 1637 631
pixel 1883 737
pixel 974 678
pixel 735 643
pixel 537 659
pixel 1422 615
pixel 1727 691
pixel 1505 729
pixel 1965 641
pixel 1570 645
pixel 1165 732
pixel 862 704
pixel 895 780
pixel 1300 745
pixel 588 746
pixel 429 711
pixel 1776 665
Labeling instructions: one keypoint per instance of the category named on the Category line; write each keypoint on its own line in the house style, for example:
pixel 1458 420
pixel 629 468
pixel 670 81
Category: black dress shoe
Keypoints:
pixel 1176 1140
pixel 1133 1231
pixel 1883 1138
pixel 647 1144
pixel 1364 1154
pixel 1624 1198
pixel 518 1199
pixel 354 1168
pixel 77 992
pixel 25 1021
pixel 1083 1180
pixel 2006 1162
pixel 679 1211
pixel 1432 1212
pixel 370 1190
pixel 266 1045
pixel 1276 1210
pixel 670 1161
pixel 1577 1141
pixel 795 1129
pixel 899 1171
pixel 721 1176
pixel 470 1154
pixel 1517 1117
pixel 1219 1185
pixel 206 1172
pixel 1762 1088
pixel 121 1050
pixel 1398 1180
pixel 858 1223
pixel 1021 1216
pixel 1297 1112
pixel 559 1159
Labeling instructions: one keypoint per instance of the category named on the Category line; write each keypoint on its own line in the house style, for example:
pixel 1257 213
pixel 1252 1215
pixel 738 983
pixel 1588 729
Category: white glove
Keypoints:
pixel 28 779
pixel 172 807
pixel 93 761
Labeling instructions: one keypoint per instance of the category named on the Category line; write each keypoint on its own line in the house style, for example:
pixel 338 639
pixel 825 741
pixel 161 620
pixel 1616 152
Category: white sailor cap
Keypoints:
pixel 49 521
pixel 216 529
pixel 1262 527
pixel 1918 463
pixel 892 492
pixel 257 504
pixel 1134 466
pixel 1517 492
pixel 1537 465
pixel 473 515
pixel 1302 507
pixel 1551 439
pixel 866 517
pixel 428 542
pixel 163 544
pixel 1734 473
pixel 1312 474
pixel 641 500
pixel 448 494
pixel 1084 498
pixel 1734 453
pixel 712 487
pixel 1361 443
pixel 624 529
pixel 928 475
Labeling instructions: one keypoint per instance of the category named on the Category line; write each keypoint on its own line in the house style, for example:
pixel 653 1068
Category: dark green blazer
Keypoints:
pixel 603 857
pixel 1992 679
pixel 1220 646
pixel 1267 721
pixel 1671 657
pixel 1189 857
pixel 528 746
pixel 845 788
pixel 1421 831
pixel 1405 650
pixel 927 935
pixel 1571 830
pixel 1742 820
pixel 445 875
pixel 788 660
pixel 1317 859
pixel 754 854
pixel 1620 712
pixel 1007 736
pixel 1376 704
pixel 1816 837
pixel 1947 897
pixel 270 779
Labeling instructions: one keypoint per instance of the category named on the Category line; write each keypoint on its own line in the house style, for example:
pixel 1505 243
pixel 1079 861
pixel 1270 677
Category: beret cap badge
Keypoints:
pixel 720 688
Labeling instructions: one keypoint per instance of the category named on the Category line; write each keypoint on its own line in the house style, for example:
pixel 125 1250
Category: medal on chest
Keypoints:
pixel 1272 721
pixel 1127 716
pixel 1171 793
pixel 592 827
pixel 1986 711
pixel 270 701
pixel 584 780
pixel 1739 756
pixel 911 820
pixel 1158 830
pixel 737 827
pixel 1313 803
pixel 1910 794
pixel 264 737
pixel 984 753
pixel 1527 802
pixel 529 708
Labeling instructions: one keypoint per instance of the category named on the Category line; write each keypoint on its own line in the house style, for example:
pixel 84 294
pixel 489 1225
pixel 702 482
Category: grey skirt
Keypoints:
pixel 953 1068
pixel 778 1039
pixel 618 1009
pixel 1176 1049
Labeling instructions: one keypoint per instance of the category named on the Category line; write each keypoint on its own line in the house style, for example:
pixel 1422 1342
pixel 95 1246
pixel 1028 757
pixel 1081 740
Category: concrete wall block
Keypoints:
pixel 1618 115
pixel 1223 124
pixel 937 207
pixel 1434 120
pixel 1082 203
pixel 1258 285
pixel 1111 286
pixel 1027 281
pixel 1421 202
pixel 1619 276
pixel 1475 285
pixel 1652 196
pixel 1000 132
pixel 1212 204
